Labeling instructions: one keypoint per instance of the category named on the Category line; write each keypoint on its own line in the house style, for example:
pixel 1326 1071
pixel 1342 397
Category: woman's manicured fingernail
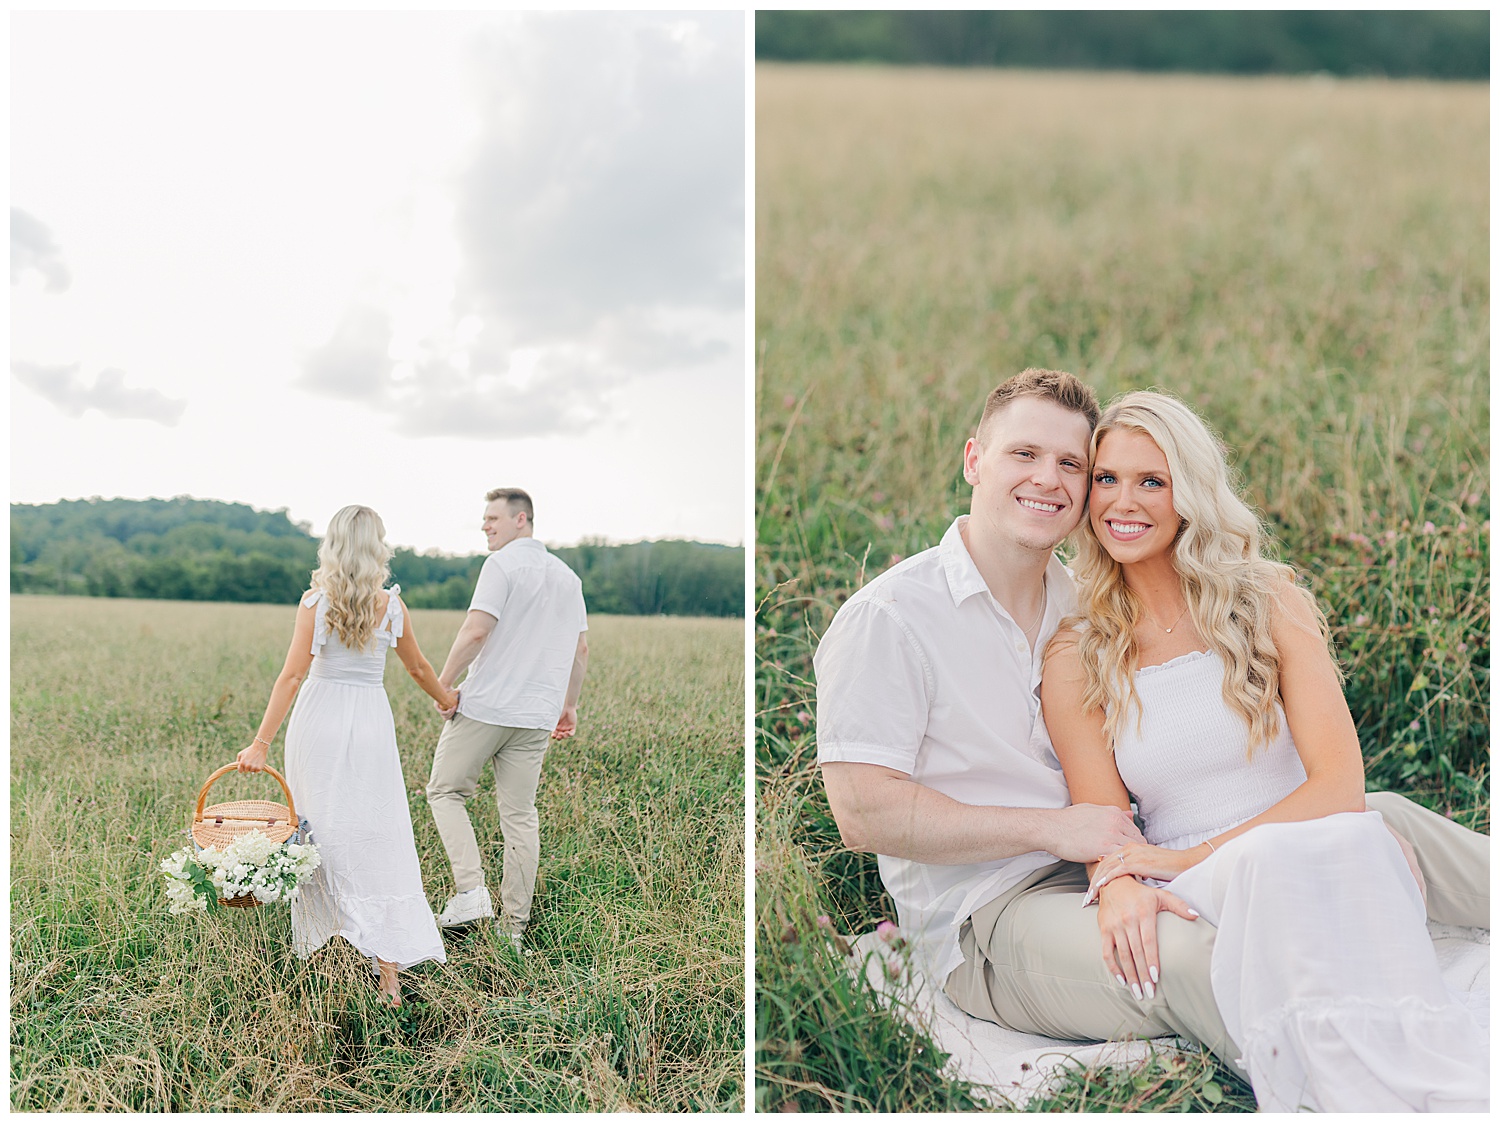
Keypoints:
pixel 1135 989
pixel 1155 975
pixel 1150 991
pixel 1123 983
pixel 1194 912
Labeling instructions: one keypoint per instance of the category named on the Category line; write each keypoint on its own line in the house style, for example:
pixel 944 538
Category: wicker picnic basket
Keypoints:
pixel 224 822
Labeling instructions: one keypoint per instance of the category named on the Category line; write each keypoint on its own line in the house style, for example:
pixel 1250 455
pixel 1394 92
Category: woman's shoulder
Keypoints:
pixel 1292 603
pixel 310 598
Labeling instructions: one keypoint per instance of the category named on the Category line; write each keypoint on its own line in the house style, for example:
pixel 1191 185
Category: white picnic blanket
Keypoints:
pixel 1010 1068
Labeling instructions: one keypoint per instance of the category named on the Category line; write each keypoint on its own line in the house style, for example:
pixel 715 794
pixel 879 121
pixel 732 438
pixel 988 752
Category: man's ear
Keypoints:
pixel 971 461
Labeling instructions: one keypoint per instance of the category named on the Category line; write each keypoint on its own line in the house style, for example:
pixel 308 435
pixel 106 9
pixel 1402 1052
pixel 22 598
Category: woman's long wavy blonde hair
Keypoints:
pixel 1229 587
pixel 352 569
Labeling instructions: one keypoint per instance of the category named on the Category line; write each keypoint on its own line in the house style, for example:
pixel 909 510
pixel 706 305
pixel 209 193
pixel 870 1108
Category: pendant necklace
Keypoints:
pixel 1180 615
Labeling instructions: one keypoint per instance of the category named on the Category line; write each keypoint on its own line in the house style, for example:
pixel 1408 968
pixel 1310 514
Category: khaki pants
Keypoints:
pixel 1033 961
pixel 463 749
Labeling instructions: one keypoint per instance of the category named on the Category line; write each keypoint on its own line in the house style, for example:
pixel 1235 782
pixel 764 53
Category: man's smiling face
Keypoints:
pixel 1029 469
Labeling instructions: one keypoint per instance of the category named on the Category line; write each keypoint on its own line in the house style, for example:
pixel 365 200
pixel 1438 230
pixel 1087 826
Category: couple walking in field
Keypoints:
pixel 986 716
pixel 524 648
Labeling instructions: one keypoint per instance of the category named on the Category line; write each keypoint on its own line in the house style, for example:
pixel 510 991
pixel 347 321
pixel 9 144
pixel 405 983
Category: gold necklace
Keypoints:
pixel 1180 615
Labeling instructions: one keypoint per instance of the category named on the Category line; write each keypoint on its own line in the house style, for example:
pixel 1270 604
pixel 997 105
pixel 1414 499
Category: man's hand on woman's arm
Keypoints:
pixel 883 811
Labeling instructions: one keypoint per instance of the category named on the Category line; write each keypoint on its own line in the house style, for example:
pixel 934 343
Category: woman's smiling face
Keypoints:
pixel 1130 498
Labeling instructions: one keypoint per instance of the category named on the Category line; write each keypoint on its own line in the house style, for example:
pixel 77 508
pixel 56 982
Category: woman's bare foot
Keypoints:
pixel 390 987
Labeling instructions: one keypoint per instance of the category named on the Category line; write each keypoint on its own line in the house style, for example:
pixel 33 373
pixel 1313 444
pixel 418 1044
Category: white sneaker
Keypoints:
pixel 465 908
pixel 513 936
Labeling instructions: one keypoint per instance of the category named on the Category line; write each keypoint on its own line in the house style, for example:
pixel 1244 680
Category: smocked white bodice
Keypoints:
pixel 333 662
pixel 1186 764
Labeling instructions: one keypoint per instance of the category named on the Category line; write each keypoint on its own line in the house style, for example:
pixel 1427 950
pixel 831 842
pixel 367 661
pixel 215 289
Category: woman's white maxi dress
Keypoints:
pixel 345 774
pixel 1322 966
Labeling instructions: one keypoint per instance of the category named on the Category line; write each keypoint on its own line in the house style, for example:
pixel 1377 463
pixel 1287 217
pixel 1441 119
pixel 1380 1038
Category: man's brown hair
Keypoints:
pixel 1050 385
pixel 515 500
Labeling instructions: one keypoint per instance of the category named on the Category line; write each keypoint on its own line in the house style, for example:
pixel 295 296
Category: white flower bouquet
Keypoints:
pixel 251 866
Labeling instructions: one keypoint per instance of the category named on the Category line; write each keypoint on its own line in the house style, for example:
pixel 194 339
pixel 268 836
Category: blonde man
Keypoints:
pixel 525 649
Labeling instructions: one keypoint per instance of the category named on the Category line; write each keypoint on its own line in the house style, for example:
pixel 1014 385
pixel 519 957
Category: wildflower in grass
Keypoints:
pixel 1361 620
pixel 887 931
pixel 1429 528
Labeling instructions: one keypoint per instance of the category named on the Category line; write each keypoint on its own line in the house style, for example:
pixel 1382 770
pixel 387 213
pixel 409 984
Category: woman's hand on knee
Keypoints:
pixel 1127 929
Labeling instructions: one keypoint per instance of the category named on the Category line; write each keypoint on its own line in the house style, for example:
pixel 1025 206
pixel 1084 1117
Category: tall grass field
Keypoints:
pixel 1304 261
pixel 632 994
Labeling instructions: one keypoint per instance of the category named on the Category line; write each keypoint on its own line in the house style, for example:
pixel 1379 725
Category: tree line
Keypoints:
pixel 198 549
pixel 1391 44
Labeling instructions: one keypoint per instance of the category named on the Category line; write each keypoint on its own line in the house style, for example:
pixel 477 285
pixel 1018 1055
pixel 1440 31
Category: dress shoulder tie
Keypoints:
pixel 320 618
pixel 395 619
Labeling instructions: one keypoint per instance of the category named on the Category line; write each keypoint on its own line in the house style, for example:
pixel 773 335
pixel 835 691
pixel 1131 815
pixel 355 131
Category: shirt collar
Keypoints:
pixel 963 575
pixel 964 579
pixel 530 544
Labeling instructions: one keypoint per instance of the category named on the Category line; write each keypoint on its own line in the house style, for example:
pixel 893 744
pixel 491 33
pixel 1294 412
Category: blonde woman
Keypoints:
pixel 341 757
pixel 1199 680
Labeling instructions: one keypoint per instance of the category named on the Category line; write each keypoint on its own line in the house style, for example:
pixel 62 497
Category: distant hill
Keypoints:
pixel 1389 44
pixel 203 549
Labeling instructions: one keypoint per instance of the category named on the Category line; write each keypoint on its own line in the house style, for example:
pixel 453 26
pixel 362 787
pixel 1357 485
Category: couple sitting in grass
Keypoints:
pixel 523 646
pixel 986 718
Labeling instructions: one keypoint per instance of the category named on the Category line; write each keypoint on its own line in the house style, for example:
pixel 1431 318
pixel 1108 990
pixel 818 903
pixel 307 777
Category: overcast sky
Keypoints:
pixel 304 260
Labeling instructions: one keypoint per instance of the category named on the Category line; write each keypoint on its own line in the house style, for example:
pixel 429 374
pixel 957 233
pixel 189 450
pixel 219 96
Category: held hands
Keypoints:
pixel 1086 830
pixel 1140 859
pixel 1127 929
pixel 567 725
pixel 253 758
pixel 451 708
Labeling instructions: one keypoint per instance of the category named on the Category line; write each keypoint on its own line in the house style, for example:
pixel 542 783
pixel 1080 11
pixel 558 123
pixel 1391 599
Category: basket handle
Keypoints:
pixel 203 791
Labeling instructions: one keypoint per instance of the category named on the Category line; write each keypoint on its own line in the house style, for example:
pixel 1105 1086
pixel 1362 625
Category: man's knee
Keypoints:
pixel 1389 804
pixel 1184 945
pixel 448 791
pixel 519 822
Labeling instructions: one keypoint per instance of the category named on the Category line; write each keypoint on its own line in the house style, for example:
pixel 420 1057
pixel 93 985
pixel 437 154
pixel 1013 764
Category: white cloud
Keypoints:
pixel 599 224
pixel 32 250
pixel 65 388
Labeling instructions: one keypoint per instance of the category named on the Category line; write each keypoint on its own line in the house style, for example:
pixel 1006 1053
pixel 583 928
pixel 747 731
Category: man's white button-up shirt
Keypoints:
pixel 923 672
pixel 520 676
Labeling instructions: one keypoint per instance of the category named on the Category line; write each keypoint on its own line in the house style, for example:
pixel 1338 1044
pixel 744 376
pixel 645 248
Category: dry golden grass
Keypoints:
pixel 1303 261
pixel 632 1000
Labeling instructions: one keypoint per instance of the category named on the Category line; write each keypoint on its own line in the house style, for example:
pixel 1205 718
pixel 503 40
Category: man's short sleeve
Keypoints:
pixel 874 689
pixel 492 587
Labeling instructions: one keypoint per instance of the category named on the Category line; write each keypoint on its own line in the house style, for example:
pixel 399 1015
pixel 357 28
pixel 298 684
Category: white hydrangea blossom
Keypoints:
pixel 180 893
pixel 252 864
